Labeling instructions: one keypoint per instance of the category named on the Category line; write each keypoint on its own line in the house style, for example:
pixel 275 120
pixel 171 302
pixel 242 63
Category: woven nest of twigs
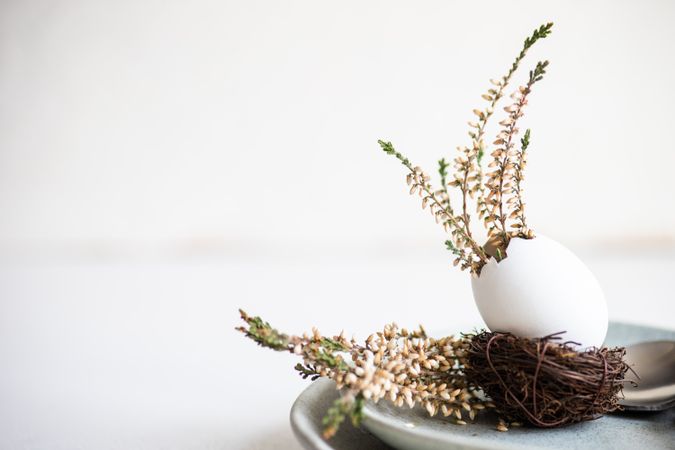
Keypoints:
pixel 546 382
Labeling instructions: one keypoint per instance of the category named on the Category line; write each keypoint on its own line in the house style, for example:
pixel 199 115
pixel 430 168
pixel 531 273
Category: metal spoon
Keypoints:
pixel 654 364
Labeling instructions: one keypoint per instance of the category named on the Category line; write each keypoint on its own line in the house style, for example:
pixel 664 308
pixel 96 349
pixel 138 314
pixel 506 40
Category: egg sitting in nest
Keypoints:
pixel 523 283
pixel 541 288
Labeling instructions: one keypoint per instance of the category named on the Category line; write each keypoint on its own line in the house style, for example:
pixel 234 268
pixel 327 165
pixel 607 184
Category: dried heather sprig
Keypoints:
pixel 468 253
pixel 500 181
pixel 516 200
pixel 468 177
pixel 543 381
pixel 443 194
pixel 469 173
pixel 343 407
pixel 405 368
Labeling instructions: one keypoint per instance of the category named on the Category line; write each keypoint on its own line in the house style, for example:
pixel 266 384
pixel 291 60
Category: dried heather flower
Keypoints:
pixel 405 368
pixel 502 180
pixel 469 254
pixel 469 167
pixel 502 183
pixel 541 381
pixel 515 202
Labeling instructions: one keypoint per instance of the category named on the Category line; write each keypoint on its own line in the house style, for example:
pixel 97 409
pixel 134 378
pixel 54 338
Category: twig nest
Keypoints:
pixel 541 288
pixel 545 382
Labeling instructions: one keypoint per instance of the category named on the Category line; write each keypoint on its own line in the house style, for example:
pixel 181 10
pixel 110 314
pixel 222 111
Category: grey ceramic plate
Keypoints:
pixel 406 429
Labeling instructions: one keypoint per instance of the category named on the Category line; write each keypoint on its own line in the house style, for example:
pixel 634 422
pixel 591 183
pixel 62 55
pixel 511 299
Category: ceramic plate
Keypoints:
pixel 408 429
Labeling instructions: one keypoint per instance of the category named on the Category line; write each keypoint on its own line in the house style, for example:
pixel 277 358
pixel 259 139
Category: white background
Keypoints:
pixel 164 163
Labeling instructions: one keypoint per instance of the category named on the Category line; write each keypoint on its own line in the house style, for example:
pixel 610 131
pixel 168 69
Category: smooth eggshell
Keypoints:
pixel 541 288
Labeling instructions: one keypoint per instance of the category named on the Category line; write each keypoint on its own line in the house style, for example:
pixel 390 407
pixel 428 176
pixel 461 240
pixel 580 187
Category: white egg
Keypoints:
pixel 539 289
